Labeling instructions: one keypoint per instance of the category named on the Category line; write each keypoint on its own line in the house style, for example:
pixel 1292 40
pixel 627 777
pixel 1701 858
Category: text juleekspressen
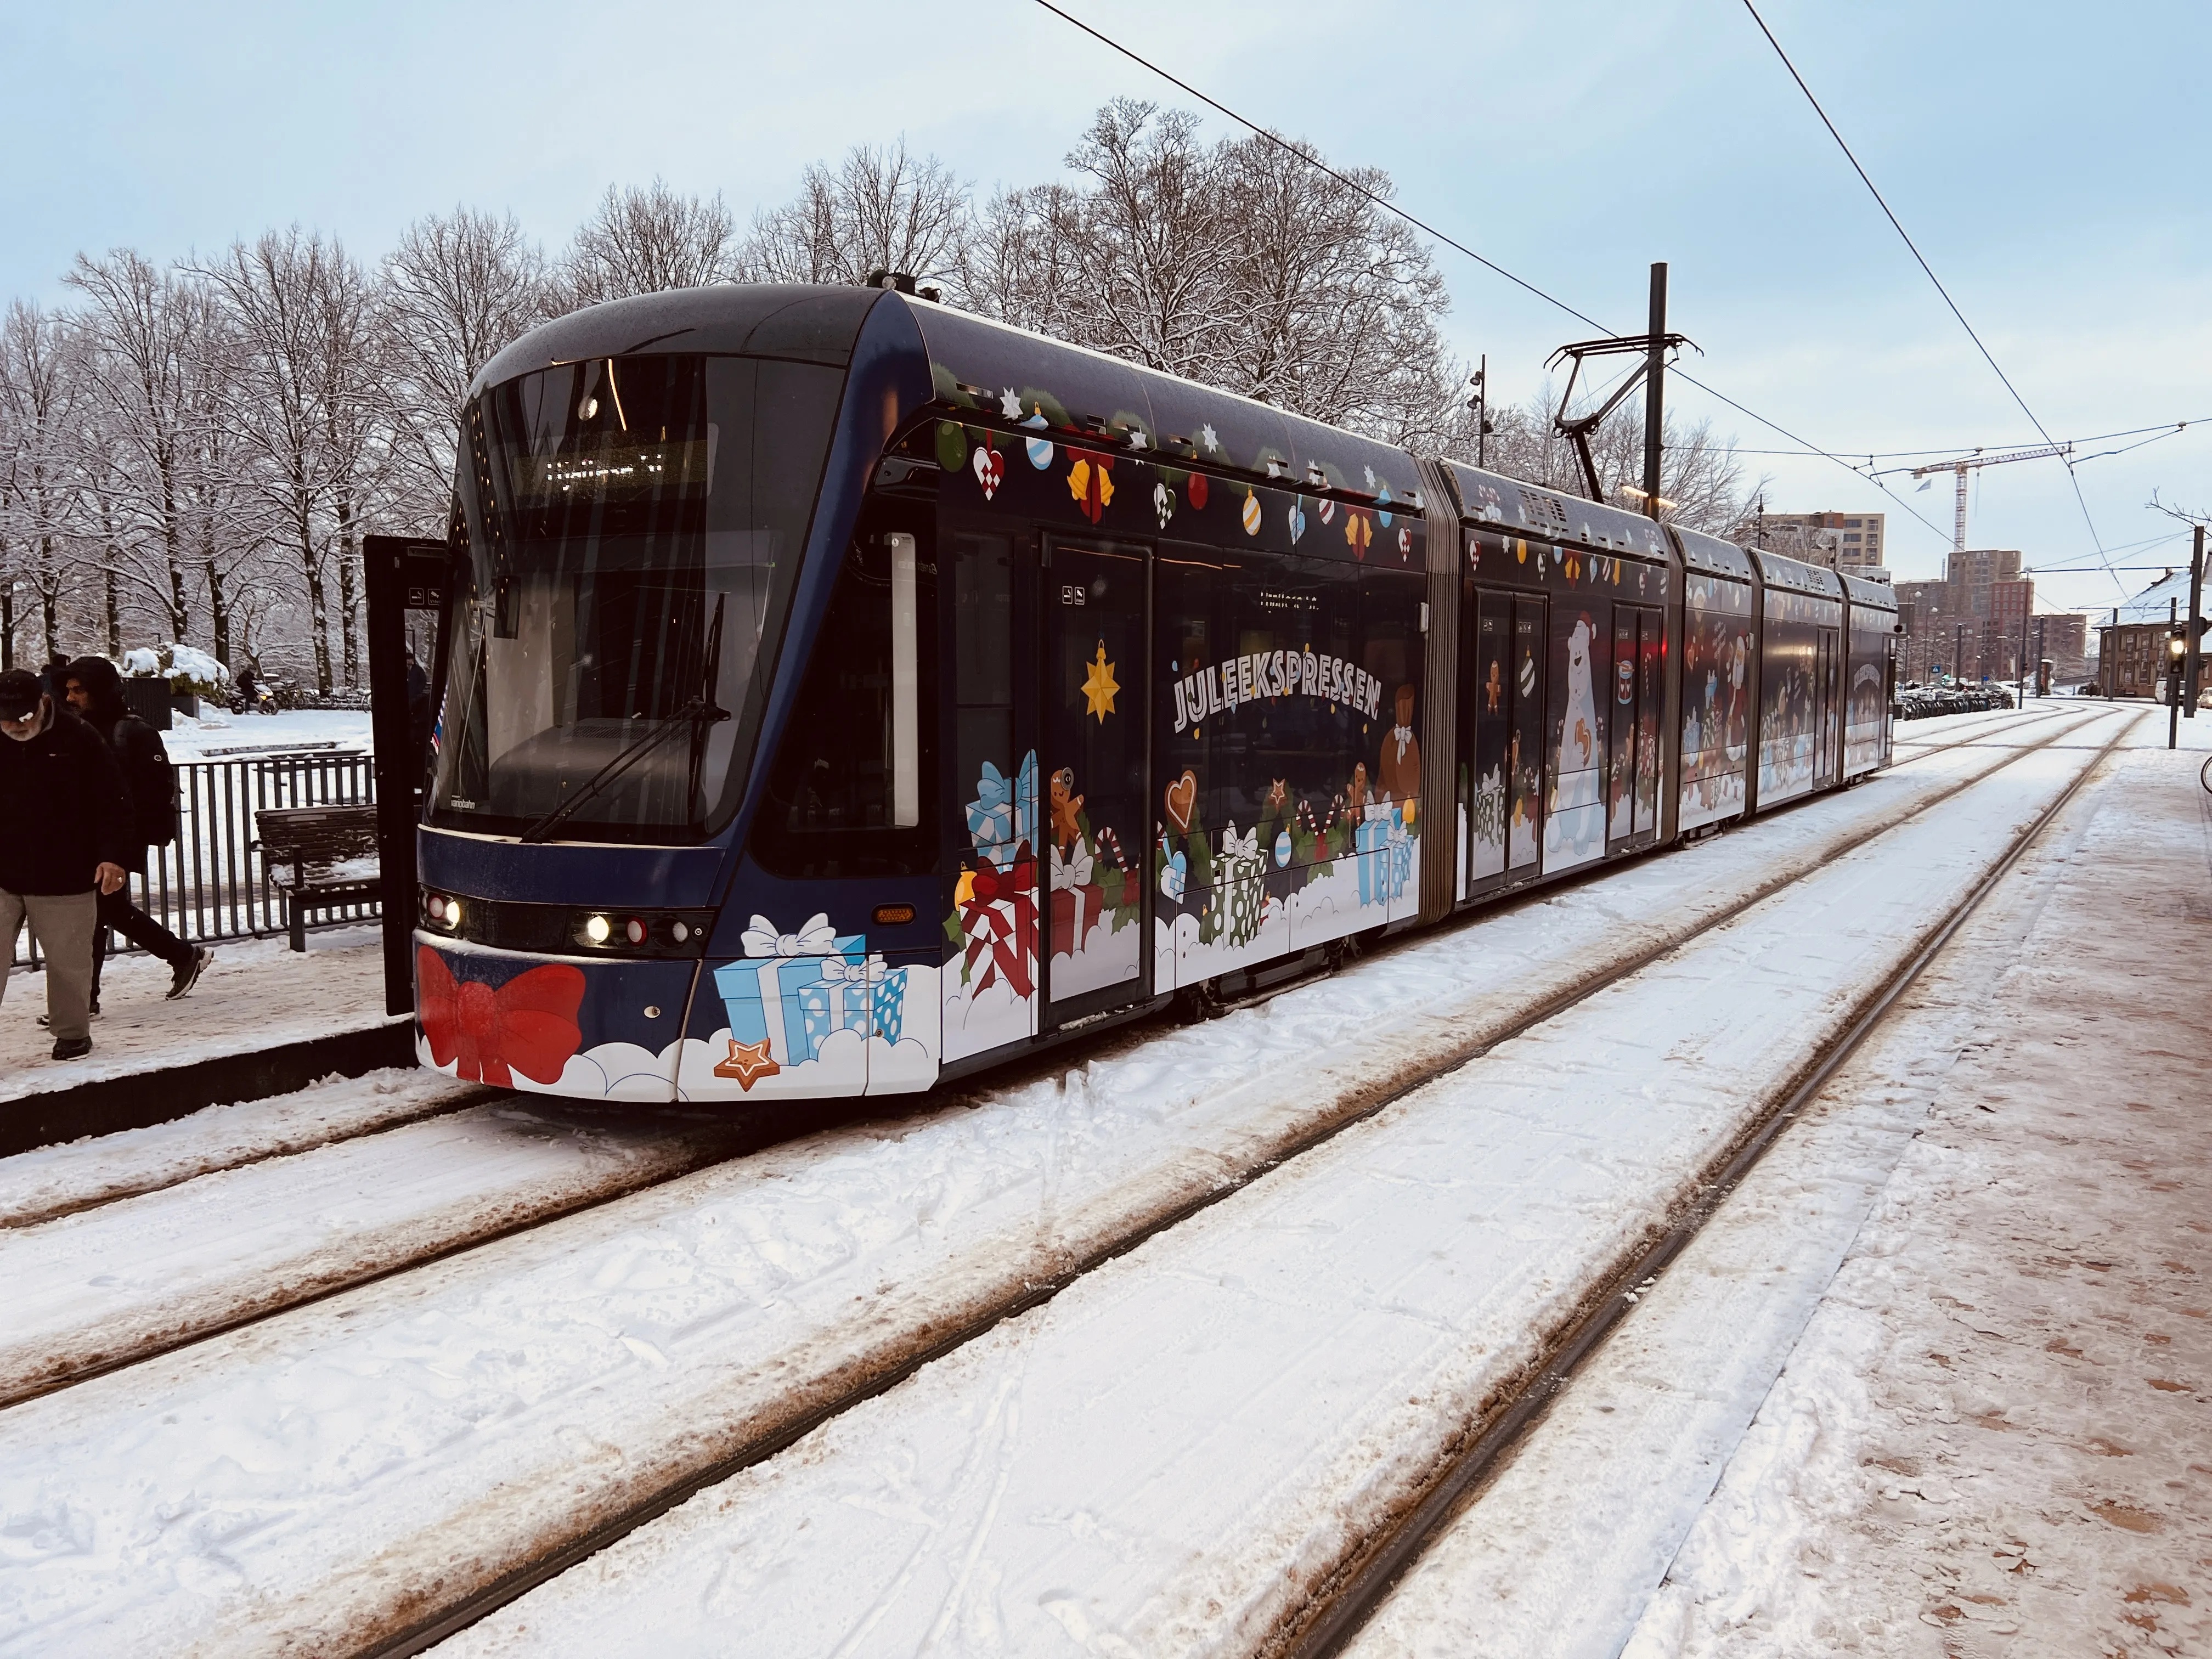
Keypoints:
pixel 1261 674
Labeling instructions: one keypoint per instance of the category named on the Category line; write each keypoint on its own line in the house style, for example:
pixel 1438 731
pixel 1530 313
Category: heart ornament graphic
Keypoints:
pixel 1297 519
pixel 1182 795
pixel 990 470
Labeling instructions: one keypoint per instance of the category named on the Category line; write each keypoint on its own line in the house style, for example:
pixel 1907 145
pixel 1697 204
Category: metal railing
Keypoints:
pixel 210 882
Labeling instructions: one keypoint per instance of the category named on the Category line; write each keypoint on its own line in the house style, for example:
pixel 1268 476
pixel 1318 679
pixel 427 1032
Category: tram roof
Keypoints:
pixel 799 321
pixel 1012 377
pixel 1795 576
pixel 1874 596
pixel 1713 556
pixel 1527 510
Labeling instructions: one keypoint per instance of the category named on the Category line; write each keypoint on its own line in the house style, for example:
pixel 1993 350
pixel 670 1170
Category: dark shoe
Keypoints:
pixel 72 1048
pixel 187 974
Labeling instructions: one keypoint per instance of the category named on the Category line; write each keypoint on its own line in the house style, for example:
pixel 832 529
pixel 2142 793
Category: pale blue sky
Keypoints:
pixel 2051 163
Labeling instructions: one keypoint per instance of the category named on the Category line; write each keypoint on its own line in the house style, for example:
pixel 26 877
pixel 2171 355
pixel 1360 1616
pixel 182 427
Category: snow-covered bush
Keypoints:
pixel 186 667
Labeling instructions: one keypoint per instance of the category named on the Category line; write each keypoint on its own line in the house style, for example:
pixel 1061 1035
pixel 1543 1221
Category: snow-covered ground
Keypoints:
pixel 318 1475
pixel 258 993
pixel 1965 1456
pixel 218 736
pixel 57 1181
pixel 1170 1455
pixel 107 1285
pixel 1995 1426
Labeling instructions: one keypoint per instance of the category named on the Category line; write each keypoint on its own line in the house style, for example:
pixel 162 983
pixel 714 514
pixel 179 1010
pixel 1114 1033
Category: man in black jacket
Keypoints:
pixel 95 693
pixel 63 835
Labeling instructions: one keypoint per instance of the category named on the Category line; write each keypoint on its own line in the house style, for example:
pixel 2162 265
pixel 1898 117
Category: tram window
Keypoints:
pixel 843 799
pixel 982 655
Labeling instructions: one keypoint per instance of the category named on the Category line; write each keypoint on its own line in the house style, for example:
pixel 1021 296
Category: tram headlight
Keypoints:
pixel 442 911
pixel 599 930
pixel 635 930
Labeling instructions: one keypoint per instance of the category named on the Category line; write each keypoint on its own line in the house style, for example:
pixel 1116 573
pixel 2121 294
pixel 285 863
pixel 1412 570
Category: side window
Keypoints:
pixel 851 791
pixel 982 656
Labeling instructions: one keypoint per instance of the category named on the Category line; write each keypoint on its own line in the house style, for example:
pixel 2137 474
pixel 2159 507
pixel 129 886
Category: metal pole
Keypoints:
pixel 1655 400
pixel 1482 414
pixel 2192 680
pixel 2172 678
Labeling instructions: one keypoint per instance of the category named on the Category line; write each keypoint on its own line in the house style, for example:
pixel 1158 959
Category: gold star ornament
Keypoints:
pixel 1099 685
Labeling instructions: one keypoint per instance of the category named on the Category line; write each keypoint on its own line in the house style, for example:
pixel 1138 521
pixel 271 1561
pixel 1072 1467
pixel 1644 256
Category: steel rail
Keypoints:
pixel 1333 1620
pixel 508 1587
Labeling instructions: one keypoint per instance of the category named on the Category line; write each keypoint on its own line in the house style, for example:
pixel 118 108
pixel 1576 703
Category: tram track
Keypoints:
pixel 1044 1290
pixel 1218 1343
pixel 863 1375
pixel 1332 1621
pixel 81 1314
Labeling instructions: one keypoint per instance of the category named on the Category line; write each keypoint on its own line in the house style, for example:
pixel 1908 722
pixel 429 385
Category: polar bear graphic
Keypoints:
pixel 1578 734
pixel 1574 827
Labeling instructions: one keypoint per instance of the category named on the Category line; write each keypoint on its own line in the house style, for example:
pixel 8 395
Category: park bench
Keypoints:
pixel 314 855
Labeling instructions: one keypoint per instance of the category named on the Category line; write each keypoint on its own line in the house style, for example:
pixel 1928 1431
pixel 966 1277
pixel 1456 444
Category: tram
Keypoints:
pixel 842 693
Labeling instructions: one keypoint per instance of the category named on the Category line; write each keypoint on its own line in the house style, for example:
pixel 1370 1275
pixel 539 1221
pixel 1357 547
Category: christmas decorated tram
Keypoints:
pixel 842 693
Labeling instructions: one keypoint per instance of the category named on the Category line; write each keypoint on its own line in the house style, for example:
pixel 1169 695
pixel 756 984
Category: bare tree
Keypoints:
pixel 1699 473
pixel 148 333
pixel 1022 266
pixel 882 209
pixel 457 290
pixel 41 394
pixel 647 241
pixel 278 294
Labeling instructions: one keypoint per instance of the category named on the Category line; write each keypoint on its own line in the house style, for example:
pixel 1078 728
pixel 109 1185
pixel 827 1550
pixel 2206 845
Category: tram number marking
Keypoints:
pixel 1072 593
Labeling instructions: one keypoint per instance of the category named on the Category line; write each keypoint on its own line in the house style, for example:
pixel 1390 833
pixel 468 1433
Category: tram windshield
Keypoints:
pixel 634 528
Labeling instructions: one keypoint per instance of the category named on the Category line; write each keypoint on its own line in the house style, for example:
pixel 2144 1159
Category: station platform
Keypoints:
pixel 263 1020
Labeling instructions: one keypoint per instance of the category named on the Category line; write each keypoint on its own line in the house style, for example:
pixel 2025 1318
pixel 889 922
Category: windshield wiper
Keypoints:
pixel 697 715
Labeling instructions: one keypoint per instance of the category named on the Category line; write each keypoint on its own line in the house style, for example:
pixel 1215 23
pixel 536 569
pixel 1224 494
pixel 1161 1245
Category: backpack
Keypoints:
pixel 151 781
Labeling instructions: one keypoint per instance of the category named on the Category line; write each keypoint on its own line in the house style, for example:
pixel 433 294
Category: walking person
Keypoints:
pixel 94 690
pixel 64 832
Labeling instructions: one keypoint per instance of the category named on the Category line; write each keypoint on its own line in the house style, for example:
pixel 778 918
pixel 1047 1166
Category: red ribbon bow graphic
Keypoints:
pixel 527 1025
pixel 1000 917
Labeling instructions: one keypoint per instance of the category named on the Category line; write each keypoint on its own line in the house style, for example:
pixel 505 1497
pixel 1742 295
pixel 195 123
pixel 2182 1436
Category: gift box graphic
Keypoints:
pixel 838 1001
pixel 887 999
pixel 1004 812
pixel 1076 898
pixel 1385 856
pixel 998 924
pixel 762 994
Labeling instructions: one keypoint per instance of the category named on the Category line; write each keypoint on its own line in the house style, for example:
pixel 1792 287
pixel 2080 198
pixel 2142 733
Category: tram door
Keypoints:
pixel 1631 768
pixel 1091 805
pixel 1504 725
pixel 1827 721
pixel 1524 829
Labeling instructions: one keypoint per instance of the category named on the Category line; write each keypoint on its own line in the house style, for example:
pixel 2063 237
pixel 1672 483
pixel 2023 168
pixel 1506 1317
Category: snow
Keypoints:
pixel 54 1180
pixel 256 994
pixel 1643 1433
pixel 190 739
pixel 1994 1425
pixel 311 1479
pixel 130 1277
pixel 1168 1457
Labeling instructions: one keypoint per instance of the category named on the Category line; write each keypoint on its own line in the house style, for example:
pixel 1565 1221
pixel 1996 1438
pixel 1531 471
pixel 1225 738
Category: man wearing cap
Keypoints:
pixel 64 839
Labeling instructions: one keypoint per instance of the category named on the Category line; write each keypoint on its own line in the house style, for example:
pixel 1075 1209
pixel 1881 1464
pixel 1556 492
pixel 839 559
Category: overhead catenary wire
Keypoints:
pixel 1390 207
pixel 1898 226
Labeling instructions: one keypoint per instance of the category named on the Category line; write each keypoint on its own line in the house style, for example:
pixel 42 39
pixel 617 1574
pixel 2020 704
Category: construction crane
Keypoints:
pixel 1966 463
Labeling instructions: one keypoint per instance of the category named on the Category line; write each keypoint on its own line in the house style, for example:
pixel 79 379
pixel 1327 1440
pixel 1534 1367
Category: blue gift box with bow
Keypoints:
pixel 1003 815
pixel 767 992
pixel 1385 857
pixel 887 1001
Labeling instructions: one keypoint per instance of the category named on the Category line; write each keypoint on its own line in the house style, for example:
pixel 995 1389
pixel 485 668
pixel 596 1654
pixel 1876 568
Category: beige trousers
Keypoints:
pixel 63 926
